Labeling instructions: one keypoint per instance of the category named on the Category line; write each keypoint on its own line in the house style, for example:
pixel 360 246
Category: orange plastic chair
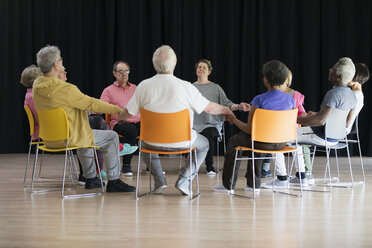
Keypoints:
pixel 54 126
pixel 166 128
pixel 108 120
pixel 270 126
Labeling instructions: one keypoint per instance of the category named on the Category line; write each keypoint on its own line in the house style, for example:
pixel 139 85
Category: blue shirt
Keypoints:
pixel 274 100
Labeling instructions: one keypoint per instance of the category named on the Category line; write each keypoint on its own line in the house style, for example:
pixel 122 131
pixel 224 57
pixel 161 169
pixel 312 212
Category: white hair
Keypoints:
pixel 346 69
pixel 164 59
pixel 46 57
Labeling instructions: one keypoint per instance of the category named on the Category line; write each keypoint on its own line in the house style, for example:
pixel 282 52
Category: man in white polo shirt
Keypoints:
pixel 165 93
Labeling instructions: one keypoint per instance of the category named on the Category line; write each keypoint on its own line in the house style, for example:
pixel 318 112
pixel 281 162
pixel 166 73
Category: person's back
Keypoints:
pixel 161 85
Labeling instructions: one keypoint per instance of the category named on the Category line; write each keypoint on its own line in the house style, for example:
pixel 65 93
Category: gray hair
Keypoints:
pixel 164 59
pixel 46 57
pixel 346 69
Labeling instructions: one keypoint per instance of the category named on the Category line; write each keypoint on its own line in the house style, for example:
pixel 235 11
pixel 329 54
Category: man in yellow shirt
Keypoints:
pixel 50 92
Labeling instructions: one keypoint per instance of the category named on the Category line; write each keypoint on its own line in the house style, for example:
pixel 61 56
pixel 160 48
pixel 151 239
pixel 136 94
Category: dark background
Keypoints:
pixel 237 36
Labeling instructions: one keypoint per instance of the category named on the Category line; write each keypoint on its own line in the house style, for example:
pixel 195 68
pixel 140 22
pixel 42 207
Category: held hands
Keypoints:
pixel 310 113
pixel 244 106
pixel 123 116
pixel 229 116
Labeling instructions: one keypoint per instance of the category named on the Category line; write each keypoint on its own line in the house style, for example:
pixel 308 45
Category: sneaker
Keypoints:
pixel 296 180
pixel 211 171
pixel 277 184
pixel 103 174
pixel 127 171
pixel 127 149
pixel 182 184
pixel 148 171
pixel 310 177
pixel 159 190
pixel 93 183
pixel 266 173
pixel 256 190
pixel 119 186
pixel 82 180
pixel 221 188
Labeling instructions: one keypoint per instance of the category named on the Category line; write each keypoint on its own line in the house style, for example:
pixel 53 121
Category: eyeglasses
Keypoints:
pixel 124 72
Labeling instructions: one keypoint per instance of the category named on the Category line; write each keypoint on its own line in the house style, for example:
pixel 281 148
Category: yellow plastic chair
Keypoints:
pixel 31 122
pixel 270 126
pixel 166 128
pixel 54 126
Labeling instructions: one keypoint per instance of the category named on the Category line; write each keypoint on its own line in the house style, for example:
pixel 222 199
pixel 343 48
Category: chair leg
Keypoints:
pixel 138 173
pixel 361 158
pixel 233 174
pixel 351 171
pixel 33 170
pixel 191 171
pixel 329 169
pixel 197 175
pixel 218 156
pixel 28 161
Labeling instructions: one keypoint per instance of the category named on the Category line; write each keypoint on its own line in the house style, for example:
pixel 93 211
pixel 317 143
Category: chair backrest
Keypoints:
pixel 274 126
pixel 30 118
pixel 53 124
pixel 165 127
pixel 335 127
pixel 108 118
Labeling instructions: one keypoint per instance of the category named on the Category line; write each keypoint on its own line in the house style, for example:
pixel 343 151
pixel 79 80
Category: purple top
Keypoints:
pixel 274 100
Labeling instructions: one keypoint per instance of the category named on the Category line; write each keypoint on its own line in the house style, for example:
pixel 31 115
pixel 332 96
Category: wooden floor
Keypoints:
pixel 342 218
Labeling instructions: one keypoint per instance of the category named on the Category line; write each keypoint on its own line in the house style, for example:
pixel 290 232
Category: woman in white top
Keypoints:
pixel 361 76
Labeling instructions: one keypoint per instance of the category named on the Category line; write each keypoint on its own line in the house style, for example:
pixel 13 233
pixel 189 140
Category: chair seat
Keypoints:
pixel 47 149
pixel 166 152
pixel 284 150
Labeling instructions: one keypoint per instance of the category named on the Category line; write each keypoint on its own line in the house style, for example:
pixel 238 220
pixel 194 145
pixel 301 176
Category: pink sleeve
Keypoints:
pixel 299 99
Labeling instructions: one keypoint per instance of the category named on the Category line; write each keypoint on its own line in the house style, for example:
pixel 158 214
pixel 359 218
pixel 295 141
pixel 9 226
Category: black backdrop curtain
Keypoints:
pixel 238 36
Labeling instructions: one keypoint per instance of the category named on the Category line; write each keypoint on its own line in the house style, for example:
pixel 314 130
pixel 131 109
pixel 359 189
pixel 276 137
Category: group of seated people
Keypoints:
pixel 164 93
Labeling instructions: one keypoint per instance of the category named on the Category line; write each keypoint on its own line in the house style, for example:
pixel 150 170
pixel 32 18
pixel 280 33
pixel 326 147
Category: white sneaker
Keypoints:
pixel 211 173
pixel 222 189
pixel 182 184
pixel 256 190
pixel 277 184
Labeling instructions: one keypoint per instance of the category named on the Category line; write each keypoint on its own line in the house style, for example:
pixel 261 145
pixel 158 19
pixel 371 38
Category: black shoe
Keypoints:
pixel 82 180
pixel 93 183
pixel 119 186
pixel 266 173
pixel 127 171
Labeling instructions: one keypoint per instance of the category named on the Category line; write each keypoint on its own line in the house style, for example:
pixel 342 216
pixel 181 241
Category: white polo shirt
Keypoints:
pixel 165 93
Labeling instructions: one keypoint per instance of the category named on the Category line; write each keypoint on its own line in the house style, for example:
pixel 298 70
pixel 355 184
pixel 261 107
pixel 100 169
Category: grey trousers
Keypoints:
pixel 108 142
pixel 202 146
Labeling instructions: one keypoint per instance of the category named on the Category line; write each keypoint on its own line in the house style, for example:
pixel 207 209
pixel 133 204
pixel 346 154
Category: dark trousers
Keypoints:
pixel 130 132
pixel 211 133
pixel 244 139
